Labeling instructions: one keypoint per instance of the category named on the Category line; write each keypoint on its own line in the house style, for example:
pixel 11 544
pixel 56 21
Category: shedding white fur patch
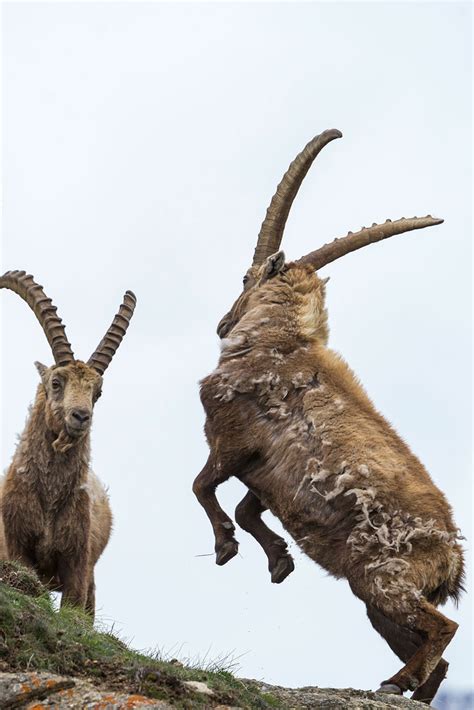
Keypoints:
pixel 298 490
pixel 230 347
pixel 268 387
pixel 342 480
pixel 232 341
pixel 225 393
pixel 298 380
pixel 383 539
pixel 394 565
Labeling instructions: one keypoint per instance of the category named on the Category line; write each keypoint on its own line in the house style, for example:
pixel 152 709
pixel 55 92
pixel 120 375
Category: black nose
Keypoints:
pixel 81 415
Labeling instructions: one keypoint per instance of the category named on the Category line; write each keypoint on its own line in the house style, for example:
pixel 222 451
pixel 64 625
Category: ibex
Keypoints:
pixel 288 418
pixel 56 513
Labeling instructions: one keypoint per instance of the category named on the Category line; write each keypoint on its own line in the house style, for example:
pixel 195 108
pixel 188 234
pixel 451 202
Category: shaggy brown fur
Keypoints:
pixel 287 416
pixel 56 512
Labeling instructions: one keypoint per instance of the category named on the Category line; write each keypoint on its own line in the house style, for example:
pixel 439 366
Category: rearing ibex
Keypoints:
pixel 287 417
pixel 56 514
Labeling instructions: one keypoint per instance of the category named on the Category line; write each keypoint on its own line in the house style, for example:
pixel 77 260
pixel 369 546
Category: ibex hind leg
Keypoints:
pixel 248 517
pixel 404 643
pixel 437 631
pixel 402 604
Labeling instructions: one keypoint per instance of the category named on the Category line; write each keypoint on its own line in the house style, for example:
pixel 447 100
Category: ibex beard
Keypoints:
pixel 55 513
pixel 287 417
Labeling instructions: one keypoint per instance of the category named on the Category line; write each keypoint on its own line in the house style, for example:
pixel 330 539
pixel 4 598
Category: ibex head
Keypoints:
pixel 70 387
pixel 271 233
pixel 71 392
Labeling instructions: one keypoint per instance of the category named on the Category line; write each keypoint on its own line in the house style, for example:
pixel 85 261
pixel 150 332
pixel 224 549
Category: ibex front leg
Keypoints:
pixel 73 577
pixel 248 517
pixel 72 528
pixel 204 487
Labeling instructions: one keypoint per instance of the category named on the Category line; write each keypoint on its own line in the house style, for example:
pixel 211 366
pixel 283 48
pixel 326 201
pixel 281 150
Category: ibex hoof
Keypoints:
pixel 226 552
pixel 390 688
pixel 283 567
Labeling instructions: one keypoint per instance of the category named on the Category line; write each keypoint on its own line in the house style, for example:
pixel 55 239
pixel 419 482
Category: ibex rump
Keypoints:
pixel 56 514
pixel 287 417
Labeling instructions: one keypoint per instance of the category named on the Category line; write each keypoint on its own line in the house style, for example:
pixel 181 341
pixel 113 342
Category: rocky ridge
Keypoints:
pixel 35 690
pixel 51 659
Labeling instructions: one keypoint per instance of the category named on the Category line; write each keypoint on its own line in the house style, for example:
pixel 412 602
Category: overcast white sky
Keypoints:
pixel 141 146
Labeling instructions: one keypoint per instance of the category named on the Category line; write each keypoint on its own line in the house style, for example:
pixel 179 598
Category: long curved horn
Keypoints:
pixel 367 235
pixel 271 231
pixel 102 357
pixel 25 286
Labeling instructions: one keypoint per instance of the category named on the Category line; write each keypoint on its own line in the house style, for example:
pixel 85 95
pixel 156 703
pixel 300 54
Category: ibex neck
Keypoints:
pixel 272 326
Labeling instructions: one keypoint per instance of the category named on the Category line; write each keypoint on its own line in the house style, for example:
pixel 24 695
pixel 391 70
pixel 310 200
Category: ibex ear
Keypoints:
pixel 274 264
pixel 41 368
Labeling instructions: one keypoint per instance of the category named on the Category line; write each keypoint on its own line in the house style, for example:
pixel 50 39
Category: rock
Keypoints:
pixel 44 690
pixel 33 691
pixel 198 687
pixel 337 699
pixel 17 689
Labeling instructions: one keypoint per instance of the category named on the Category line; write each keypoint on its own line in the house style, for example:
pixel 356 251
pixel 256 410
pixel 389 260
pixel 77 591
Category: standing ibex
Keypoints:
pixel 287 416
pixel 56 514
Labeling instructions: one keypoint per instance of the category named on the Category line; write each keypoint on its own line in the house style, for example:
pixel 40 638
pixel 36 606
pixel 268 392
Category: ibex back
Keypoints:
pixel 286 416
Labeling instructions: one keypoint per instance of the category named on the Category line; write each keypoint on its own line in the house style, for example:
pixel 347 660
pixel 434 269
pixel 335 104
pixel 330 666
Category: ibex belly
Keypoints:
pixel 319 528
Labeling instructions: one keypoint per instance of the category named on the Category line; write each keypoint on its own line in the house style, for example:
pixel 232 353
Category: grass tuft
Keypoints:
pixel 34 636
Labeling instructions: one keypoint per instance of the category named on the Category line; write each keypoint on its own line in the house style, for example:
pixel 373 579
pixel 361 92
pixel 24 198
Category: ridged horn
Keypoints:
pixel 367 235
pixel 102 357
pixel 271 231
pixel 25 286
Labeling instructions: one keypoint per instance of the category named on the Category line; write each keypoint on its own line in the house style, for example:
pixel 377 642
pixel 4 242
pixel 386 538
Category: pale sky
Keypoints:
pixel 142 143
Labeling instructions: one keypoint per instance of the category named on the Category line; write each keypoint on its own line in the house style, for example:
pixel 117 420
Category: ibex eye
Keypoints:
pixel 245 279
